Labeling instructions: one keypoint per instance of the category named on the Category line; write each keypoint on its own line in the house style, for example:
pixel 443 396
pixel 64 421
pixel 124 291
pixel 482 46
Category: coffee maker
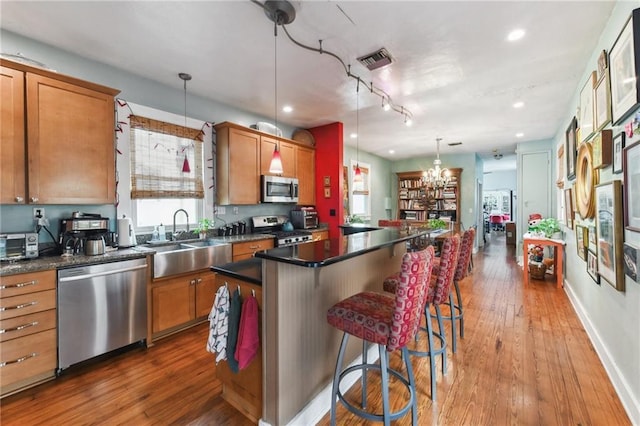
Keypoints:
pixel 84 233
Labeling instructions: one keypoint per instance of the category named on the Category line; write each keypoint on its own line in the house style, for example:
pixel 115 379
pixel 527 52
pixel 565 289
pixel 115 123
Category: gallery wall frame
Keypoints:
pixel 610 233
pixel 586 121
pixel 570 150
pixel 560 163
pixel 569 214
pixel 591 239
pixel 592 266
pixel 631 160
pixel 602 102
pixel 602 149
pixel 618 146
pixel 581 240
pixel 586 179
pixel 631 256
pixel 624 66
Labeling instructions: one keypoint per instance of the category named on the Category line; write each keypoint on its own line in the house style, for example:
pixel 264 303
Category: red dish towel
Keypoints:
pixel 248 339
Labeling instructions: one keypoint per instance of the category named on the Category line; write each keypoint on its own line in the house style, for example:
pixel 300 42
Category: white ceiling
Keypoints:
pixel 454 70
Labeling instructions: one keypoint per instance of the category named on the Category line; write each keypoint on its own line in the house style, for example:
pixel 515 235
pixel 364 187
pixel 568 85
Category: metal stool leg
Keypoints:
pixel 336 377
pixel 441 328
pixel 384 372
pixel 452 307
pixel 363 379
pixel 460 308
pixel 432 361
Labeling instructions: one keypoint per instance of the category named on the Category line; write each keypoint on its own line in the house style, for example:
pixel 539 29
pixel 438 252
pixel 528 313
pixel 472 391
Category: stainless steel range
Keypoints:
pixel 277 226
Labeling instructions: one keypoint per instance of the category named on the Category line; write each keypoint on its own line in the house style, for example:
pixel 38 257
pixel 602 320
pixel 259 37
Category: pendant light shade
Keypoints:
pixel 357 177
pixel 276 162
pixel 186 168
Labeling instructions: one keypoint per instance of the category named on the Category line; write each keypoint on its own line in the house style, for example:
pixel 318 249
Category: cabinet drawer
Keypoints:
pixel 27 357
pixel 251 247
pixel 27 324
pixel 13 285
pixel 11 307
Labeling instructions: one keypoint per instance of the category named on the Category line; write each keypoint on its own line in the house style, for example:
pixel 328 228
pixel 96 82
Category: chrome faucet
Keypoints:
pixel 174 222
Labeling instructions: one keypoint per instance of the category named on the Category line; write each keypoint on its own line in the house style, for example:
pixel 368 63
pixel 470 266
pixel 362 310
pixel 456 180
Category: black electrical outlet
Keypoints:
pixel 332 212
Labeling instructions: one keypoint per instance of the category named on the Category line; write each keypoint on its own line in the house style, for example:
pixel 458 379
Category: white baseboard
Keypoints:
pixel 629 402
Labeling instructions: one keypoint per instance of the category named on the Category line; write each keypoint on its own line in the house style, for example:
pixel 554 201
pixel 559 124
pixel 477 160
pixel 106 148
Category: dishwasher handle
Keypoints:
pixel 100 274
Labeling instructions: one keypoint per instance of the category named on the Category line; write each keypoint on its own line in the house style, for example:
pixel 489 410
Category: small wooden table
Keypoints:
pixel 558 254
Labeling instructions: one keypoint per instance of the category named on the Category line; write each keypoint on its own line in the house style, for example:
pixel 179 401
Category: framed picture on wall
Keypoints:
pixel 609 233
pixel 632 187
pixel 580 241
pixel 587 108
pixel 568 208
pixel 631 259
pixel 624 65
pixel 618 146
pixel 592 266
pixel 591 239
pixel 602 102
pixel 570 151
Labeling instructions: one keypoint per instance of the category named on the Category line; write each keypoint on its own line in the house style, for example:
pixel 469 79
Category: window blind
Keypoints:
pixel 166 160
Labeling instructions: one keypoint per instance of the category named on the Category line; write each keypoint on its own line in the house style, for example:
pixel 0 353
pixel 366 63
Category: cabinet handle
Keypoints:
pixel 34 199
pixel 199 280
pixel 18 328
pixel 193 282
pixel 15 361
pixel 19 285
pixel 19 199
pixel 24 305
pixel 254 247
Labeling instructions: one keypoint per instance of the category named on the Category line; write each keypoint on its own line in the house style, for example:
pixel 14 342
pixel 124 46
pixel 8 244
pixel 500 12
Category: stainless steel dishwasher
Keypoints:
pixel 100 308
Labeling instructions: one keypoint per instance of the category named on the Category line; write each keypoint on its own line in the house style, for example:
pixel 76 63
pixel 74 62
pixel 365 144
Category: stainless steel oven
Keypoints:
pixel 274 225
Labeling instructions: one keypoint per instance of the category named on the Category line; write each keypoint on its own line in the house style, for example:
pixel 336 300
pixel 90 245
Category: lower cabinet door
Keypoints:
pixel 205 294
pixel 173 303
pixel 29 357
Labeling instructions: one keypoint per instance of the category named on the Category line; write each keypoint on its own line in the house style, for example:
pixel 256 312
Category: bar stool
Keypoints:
pixel 456 308
pixel 389 322
pixel 439 292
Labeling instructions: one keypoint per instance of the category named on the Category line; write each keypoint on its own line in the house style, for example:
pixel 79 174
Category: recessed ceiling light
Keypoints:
pixel 391 151
pixel 515 35
pixel 519 135
pixel 354 135
pixel 287 108
pixel 518 104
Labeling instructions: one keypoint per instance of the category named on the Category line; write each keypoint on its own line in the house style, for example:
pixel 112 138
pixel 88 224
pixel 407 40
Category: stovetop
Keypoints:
pixel 274 225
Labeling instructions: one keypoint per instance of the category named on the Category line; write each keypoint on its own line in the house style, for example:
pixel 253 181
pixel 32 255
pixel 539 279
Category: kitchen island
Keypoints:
pixel 300 283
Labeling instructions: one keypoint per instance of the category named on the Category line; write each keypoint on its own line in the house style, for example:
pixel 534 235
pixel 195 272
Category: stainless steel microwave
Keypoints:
pixel 15 246
pixel 277 189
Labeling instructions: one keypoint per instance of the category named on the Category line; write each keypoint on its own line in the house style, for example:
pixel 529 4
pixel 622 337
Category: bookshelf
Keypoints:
pixel 419 203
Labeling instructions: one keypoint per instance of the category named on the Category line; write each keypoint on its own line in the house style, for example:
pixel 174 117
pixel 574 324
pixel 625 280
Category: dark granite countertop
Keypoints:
pixel 247 270
pixel 326 252
pixel 43 263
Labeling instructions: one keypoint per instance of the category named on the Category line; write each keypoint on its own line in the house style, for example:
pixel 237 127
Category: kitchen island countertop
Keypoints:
pixel 247 270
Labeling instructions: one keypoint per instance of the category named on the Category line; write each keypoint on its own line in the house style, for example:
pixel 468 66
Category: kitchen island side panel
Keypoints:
pixel 300 346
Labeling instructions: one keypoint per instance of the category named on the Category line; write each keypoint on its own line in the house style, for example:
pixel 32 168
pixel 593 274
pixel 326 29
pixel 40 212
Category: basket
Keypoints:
pixel 537 270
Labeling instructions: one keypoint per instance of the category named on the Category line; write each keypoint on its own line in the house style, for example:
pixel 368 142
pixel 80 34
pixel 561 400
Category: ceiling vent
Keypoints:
pixel 454 143
pixel 377 59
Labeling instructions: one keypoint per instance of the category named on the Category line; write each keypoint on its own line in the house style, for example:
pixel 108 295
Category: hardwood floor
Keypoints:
pixel 525 360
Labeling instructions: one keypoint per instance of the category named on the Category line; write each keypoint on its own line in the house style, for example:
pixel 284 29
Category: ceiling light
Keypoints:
pixel 185 77
pixel 354 135
pixel 275 166
pixel 515 35
pixel 436 177
pixel 287 108
pixel 518 104
pixel 391 151
pixel 519 135
pixel 408 121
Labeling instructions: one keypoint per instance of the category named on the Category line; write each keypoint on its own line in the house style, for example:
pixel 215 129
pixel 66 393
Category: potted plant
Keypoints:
pixel 203 226
pixel 549 227
pixel 436 224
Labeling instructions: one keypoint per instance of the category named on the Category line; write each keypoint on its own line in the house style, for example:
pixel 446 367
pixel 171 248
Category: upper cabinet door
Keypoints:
pixel 306 173
pixel 12 140
pixel 238 178
pixel 71 143
pixel 287 154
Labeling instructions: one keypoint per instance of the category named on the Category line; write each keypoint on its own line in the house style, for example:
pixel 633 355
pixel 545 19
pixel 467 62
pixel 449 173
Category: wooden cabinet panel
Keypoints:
pixel 12 137
pixel 205 293
pixel 306 173
pixel 246 250
pixel 29 303
pixel 14 285
pixel 173 303
pixel 287 153
pixel 37 354
pixel 238 170
pixel 71 143
pixel 320 235
pixel 25 325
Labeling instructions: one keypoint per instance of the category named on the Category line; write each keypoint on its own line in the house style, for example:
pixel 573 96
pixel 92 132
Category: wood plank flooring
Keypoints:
pixel 525 360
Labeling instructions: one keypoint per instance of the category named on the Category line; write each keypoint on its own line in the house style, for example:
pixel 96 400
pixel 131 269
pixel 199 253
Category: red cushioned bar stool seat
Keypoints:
pixel 389 322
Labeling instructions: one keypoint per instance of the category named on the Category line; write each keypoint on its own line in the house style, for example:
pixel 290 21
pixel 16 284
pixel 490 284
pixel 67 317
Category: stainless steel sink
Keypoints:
pixel 183 257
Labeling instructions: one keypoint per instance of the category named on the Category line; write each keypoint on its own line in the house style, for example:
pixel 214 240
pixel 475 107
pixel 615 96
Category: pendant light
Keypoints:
pixel 357 178
pixel 186 168
pixel 437 177
pixel 275 166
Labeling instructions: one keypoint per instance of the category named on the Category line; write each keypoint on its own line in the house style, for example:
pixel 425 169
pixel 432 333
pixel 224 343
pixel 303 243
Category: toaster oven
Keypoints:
pixel 16 246
pixel 304 219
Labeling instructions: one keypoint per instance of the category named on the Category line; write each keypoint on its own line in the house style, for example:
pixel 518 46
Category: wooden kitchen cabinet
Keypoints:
pixel 238 170
pixel 27 330
pixel 287 154
pixel 306 174
pixel 245 250
pixel 243 389
pixel 319 235
pixel 69 148
pixel 181 301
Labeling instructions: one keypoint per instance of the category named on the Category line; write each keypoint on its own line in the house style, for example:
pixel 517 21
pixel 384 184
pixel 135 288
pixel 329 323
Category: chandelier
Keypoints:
pixel 436 177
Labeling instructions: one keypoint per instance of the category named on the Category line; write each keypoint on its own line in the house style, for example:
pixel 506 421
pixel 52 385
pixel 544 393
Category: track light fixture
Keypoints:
pixel 281 12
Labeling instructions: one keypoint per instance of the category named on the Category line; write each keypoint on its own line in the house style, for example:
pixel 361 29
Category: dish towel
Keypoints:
pixel 235 308
pixel 248 339
pixel 219 324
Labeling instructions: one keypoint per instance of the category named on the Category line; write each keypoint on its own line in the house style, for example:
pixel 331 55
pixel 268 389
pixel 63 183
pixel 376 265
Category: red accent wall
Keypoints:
pixel 329 162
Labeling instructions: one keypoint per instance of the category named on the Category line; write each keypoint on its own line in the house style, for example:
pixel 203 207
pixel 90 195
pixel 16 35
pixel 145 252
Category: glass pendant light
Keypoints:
pixel 437 177
pixel 186 168
pixel 275 166
pixel 357 177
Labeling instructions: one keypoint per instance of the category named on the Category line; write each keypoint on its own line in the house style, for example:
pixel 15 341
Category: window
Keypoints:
pixel 360 199
pixel 163 164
